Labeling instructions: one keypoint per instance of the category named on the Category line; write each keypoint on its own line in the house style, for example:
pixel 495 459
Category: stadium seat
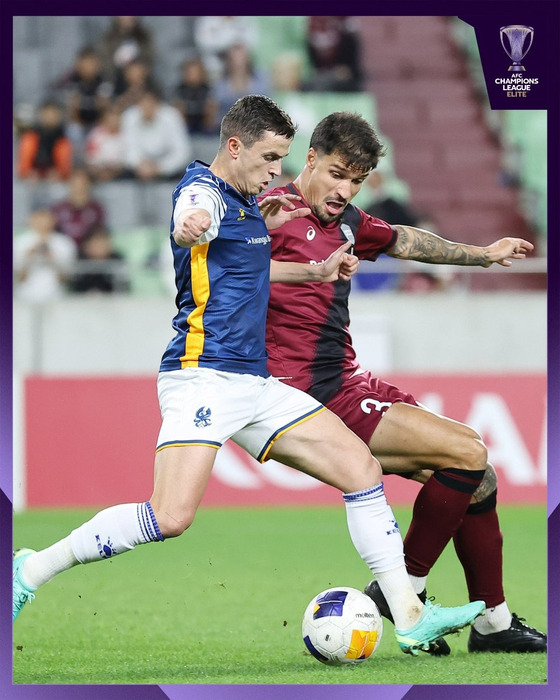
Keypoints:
pixel 21 203
pixel 120 200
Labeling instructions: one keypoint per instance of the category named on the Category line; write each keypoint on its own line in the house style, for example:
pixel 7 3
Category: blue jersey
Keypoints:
pixel 223 282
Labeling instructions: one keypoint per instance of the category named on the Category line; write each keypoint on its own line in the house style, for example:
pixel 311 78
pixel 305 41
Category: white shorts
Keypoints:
pixel 202 406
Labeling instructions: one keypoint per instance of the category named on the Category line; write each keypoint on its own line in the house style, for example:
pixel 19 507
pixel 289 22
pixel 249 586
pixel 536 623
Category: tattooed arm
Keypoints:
pixel 418 244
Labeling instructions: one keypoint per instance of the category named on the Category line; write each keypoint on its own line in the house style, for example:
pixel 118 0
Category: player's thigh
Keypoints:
pixel 181 475
pixel 410 438
pixel 327 450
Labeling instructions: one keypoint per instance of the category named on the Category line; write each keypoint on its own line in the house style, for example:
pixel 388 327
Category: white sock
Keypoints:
pixel 113 531
pixel 41 567
pixel 110 532
pixel 405 605
pixel 377 538
pixel 496 619
pixel 418 582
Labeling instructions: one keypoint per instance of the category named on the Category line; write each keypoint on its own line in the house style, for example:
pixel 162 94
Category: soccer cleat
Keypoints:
pixel 435 622
pixel 20 592
pixel 439 647
pixel 518 638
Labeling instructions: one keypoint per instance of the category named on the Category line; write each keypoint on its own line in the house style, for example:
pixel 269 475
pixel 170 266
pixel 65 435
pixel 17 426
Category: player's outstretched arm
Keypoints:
pixel 425 246
pixel 339 265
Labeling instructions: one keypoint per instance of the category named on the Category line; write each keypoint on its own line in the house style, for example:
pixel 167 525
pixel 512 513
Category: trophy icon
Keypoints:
pixel 517 38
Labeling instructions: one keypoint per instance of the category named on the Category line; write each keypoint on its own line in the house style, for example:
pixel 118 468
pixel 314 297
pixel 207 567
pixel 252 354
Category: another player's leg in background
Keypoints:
pixel 478 543
pixel 118 529
pixel 474 527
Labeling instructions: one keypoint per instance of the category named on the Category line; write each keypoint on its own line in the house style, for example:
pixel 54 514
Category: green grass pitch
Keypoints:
pixel 223 604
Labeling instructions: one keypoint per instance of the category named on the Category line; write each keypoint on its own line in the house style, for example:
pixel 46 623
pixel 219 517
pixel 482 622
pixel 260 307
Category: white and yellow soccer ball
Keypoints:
pixel 342 626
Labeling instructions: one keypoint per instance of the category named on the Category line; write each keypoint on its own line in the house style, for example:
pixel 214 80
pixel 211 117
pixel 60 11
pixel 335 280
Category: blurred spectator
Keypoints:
pixel 215 35
pixel 240 79
pixel 79 213
pixel 137 79
pixel 334 53
pixel 44 151
pixel 85 94
pixel 43 259
pixel 24 118
pixel 125 40
pixel 192 97
pixel 156 137
pixel 100 268
pixel 384 205
pixel 105 149
pixel 287 72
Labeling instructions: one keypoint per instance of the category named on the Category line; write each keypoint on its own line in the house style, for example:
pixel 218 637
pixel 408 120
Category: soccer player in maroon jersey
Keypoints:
pixel 309 347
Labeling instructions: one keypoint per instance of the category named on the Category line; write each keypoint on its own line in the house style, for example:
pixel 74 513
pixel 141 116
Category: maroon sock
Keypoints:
pixel 438 510
pixel 478 543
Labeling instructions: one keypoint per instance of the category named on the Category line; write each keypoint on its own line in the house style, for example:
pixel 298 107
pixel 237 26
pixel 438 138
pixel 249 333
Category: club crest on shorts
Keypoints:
pixel 202 419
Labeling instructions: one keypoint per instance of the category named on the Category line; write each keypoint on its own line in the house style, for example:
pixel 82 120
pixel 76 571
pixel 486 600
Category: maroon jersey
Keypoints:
pixel 77 222
pixel 307 336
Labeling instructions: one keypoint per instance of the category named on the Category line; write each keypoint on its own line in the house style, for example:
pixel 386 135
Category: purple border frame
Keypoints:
pixel 485 16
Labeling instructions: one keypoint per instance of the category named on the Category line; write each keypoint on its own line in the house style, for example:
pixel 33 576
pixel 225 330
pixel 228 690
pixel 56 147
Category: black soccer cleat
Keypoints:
pixel 437 648
pixel 517 638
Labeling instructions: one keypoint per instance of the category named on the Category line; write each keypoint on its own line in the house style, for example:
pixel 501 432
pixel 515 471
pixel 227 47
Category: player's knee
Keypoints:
pixel 173 525
pixel 470 452
pixel 363 474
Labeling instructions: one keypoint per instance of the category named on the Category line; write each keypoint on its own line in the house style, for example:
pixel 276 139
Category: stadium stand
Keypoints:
pixel 417 99
pixel 431 108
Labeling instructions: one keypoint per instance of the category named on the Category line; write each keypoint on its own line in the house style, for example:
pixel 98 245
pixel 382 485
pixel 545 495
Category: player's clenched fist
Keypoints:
pixel 190 226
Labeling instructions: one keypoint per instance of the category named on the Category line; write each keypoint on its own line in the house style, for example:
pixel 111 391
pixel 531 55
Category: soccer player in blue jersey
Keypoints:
pixel 214 383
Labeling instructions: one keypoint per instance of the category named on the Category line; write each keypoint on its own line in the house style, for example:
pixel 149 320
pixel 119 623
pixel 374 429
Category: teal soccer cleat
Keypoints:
pixel 20 593
pixel 435 622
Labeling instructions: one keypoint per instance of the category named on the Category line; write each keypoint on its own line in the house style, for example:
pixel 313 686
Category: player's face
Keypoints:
pixel 331 185
pixel 261 163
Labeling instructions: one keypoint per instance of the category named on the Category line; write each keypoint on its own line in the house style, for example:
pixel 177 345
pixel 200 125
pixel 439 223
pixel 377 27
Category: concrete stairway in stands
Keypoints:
pixel 442 146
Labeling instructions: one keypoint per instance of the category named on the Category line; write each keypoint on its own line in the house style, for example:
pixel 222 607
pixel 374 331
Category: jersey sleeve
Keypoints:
pixel 374 237
pixel 202 195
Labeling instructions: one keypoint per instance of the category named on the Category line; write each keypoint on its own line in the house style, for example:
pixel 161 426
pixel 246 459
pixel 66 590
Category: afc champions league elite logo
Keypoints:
pixel 516 39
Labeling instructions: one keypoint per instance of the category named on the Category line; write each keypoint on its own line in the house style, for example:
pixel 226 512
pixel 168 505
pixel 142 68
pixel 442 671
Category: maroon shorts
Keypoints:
pixel 362 401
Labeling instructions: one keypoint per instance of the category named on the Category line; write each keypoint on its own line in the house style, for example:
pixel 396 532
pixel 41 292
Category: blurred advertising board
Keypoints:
pixel 90 442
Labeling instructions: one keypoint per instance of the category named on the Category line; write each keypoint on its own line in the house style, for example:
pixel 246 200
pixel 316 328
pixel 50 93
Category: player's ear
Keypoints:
pixel 234 146
pixel 311 160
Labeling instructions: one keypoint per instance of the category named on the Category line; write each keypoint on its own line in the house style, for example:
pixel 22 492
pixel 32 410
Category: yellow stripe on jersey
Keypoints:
pixel 200 284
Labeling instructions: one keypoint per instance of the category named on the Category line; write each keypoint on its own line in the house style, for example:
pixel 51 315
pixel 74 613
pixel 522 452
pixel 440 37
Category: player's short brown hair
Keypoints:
pixel 351 137
pixel 251 116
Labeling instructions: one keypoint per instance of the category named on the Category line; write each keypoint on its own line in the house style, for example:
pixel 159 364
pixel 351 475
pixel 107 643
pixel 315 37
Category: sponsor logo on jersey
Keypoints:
pixel 367 405
pixel 257 240
pixel 310 233
pixel 241 216
pixel 202 419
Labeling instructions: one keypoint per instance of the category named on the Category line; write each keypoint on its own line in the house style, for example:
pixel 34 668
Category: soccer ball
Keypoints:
pixel 342 626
